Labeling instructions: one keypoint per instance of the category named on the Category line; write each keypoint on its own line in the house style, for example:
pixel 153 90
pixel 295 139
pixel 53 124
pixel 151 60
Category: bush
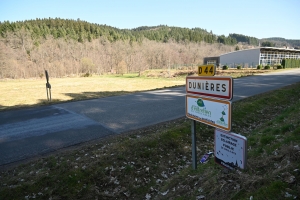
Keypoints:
pixel 87 74
pixel 279 67
pixel 267 67
pixel 259 67
pixel 239 67
pixel 225 67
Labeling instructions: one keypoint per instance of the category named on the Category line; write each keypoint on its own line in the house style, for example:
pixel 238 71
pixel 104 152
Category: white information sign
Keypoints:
pixel 217 87
pixel 230 149
pixel 214 112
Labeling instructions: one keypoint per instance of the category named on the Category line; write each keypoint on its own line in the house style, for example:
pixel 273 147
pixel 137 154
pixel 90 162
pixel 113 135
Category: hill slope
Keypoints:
pixel 280 42
pixel 72 48
pixel 84 31
pixel 75 47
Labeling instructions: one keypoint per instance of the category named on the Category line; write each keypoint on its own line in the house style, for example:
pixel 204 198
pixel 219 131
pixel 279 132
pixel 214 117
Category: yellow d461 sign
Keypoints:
pixel 206 70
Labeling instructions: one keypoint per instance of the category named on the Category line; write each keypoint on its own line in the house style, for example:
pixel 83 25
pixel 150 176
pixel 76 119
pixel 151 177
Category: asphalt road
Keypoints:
pixel 30 132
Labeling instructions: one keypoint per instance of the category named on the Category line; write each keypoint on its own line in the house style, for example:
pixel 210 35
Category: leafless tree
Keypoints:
pixel 19 58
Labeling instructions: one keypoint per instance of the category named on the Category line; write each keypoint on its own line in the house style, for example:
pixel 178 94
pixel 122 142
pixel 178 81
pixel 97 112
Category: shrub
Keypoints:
pixel 87 74
pixel 279 67
pixel 239 67
pixel 225 67
pixel 267 67
pixel 259 67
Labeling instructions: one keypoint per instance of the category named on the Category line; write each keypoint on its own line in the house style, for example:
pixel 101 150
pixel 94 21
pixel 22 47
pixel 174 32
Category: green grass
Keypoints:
pixel 271 190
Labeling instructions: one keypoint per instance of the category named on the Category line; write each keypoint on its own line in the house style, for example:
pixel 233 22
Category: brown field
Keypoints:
pixel 29 92
pixel 16 93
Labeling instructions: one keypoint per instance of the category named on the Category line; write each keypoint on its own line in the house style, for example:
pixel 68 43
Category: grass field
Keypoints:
pixel 32 92
pixel 155 162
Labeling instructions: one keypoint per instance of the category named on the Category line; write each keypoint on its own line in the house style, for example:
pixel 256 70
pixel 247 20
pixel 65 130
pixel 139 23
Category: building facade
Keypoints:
pixel 273 56
pixel 253 57
pixel 212 61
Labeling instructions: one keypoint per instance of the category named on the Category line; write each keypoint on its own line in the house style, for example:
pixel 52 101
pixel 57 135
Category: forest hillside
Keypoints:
pixel 77 48
pixel 282 42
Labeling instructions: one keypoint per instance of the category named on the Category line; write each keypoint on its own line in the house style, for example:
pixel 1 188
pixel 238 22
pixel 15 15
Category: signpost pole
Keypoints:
pixel 194 148
pixel 47 93
pixel 48 86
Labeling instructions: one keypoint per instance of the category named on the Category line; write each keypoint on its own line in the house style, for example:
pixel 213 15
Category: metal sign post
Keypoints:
pixel 194 147
pixel 48 86
pixel 208 101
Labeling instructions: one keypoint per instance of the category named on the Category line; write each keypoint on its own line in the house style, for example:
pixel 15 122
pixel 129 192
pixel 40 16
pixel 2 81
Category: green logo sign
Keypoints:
pixel 201 109
pixel 222 120
pixel 200 103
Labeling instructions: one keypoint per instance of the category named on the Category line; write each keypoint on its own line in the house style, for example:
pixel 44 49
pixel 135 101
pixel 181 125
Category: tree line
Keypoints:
pixel 245 39
pixel 281 42
pixel 84 31
pixel 75 47
pixel 20 58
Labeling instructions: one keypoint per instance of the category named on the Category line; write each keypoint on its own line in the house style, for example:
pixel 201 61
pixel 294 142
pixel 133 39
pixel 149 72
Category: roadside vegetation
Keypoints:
pixel 155 162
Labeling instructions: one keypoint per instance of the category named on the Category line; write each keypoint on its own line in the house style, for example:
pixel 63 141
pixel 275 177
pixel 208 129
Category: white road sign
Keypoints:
pixel 230 149
pixel 214 86
pixel 214 112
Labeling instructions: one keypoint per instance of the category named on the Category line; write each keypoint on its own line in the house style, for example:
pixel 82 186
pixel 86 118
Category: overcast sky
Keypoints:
pixel 256 18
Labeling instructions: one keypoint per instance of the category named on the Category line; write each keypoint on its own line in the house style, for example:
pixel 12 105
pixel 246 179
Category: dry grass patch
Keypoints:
pixel 30 92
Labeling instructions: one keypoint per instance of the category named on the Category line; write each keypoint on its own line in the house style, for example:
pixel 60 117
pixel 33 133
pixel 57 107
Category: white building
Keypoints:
pixel 253 57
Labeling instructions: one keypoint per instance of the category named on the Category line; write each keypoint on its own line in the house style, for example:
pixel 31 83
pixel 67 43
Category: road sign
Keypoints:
pixel 206 70
pixel 230 149
pixel 218 87
pixel 214 112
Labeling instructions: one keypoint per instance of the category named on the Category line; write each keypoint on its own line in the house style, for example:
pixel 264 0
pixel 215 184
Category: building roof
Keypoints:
pixel 279 49
pixel 267 49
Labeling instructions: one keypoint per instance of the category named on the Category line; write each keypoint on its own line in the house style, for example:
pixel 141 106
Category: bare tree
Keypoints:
pixel 68 57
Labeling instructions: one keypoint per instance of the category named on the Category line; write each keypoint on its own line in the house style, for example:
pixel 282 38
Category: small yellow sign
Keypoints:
pixel 206 70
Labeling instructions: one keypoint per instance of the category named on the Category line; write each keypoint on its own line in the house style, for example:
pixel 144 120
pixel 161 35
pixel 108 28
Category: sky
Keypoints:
pixel 255 18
